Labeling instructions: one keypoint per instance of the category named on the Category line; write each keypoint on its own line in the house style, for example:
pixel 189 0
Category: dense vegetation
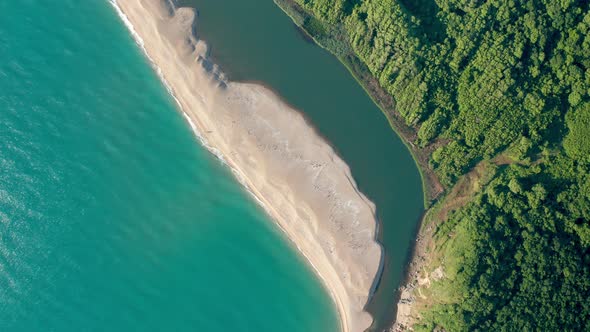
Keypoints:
pixel 476 80
pixel 521 252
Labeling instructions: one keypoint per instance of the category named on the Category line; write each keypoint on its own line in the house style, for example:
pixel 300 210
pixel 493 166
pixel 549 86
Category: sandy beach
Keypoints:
pixel 295 175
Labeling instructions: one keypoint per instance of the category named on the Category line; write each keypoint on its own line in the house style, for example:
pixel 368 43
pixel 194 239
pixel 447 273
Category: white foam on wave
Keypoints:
pixel 141 44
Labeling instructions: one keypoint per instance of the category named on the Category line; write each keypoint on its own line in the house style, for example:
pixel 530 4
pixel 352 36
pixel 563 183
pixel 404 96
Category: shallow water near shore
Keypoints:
pixel 112 216
pixel 255 41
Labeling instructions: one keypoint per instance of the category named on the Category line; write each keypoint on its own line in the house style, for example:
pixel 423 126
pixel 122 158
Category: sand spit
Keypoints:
pixel 286 165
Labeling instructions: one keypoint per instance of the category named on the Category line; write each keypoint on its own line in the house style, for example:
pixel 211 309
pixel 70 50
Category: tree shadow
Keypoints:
pixel 427 12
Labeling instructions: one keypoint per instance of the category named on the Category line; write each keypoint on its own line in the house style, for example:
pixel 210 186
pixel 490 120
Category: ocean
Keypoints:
pixel 113 217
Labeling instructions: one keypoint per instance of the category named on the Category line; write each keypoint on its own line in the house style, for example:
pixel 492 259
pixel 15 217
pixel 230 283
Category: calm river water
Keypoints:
pixel 253 40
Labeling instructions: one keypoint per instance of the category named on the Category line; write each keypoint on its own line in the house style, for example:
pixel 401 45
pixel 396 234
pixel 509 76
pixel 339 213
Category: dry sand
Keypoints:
pixel 296 176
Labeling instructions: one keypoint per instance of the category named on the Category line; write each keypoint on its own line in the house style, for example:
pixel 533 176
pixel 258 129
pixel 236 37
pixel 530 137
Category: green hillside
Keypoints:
pixel 501 86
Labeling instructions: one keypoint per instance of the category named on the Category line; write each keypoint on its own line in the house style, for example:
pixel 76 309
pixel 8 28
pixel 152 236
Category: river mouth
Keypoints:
pixel 256 41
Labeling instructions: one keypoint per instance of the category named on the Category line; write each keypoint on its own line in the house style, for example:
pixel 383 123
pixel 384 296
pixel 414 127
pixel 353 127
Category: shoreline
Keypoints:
pixel 349 296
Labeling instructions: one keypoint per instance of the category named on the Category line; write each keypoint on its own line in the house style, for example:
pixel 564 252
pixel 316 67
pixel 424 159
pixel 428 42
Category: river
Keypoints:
pixel 254 40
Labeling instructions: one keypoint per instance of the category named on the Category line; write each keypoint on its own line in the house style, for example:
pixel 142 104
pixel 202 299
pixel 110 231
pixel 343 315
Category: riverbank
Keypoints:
pixel 334 41
pixel 491 241
pixel 295 175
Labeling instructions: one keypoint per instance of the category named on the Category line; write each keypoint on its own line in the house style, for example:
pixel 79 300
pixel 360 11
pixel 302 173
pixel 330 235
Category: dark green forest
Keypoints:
pixel 476 80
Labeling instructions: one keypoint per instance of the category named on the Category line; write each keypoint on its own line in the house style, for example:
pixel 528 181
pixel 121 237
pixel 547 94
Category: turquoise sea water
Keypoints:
pixel 112 216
